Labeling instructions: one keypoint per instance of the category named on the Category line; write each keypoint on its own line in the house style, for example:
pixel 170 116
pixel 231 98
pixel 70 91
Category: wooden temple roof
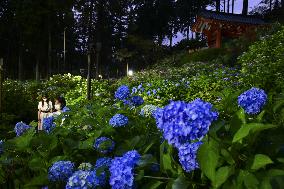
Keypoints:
pixel 229 17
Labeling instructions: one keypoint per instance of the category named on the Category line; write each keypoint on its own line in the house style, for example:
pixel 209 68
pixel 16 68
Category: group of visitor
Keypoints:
pixel 46 108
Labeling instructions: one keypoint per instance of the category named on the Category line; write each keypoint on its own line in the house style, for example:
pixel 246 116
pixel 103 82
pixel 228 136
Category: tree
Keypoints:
pixel 245 7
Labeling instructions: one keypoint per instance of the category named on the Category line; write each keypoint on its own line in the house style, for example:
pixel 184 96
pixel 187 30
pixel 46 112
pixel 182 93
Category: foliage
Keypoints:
pixel 235 149
pixel 263 63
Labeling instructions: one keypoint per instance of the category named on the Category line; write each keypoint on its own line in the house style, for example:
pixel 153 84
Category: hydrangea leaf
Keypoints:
pixel 208 156
pixel 222 175
pixel 251 127
pixel 251 181
pixel 260 161
pixel 180 183
pixel 153 185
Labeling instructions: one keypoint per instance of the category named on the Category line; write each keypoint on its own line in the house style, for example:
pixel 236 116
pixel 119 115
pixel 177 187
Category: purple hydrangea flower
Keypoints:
pixel 104 145
pixel 187 154
pixel 21 128
pixel 122 92
pixel 181 122
pixel 83 180
pixel 121 170
pixel 253 100
pixel 103 162
pixel 60 171
pixel 137 100
pixel 48 124
pixel 118 120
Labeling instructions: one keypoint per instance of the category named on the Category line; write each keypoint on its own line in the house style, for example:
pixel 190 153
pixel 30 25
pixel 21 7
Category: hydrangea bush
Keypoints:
pixel 61 171
pixel 104 145
pixel 118 120
pixel 21 128
pixel 253 100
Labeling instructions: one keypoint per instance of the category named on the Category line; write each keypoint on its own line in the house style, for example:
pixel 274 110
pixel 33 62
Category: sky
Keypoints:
pixel 238 10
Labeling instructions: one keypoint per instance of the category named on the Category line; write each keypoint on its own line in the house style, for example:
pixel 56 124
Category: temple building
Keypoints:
pixel 218 25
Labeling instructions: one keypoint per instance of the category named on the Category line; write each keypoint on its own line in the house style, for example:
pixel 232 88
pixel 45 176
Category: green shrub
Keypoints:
pixel 263 64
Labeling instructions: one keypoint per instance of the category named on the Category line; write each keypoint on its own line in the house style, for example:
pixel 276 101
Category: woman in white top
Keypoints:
pixel 44 110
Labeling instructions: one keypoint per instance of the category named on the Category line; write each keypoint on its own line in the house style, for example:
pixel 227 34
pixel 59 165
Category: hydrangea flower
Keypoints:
pixel 149 93
pixel 85 166
pixel 137 100
pixel 21 128
pixel 60 171
pixel 1 147
pixel 104 145
pixel 148 110
pixel 122 92
pixel 187 154
pixel 121 170
pixel 134 90
pixel 252 100
pixel 181 122
pixel 118 120
pixel 48 124
pixel 83 180
pixel 103 162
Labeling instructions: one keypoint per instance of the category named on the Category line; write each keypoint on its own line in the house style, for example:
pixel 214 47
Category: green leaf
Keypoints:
pixel 180 183
pixel 153 185
pixel 251 181
pixel 222 175
pixel 208 156
pixel 260 161
pixel 265 184
pixel 227 156
pixel 242 115
pixel 250 128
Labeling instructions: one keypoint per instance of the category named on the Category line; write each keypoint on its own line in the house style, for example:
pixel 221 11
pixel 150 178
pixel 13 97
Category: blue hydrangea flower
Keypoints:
pixel 134 90
pixel 253 100
pixel 103 162
pixel 85 166
pixel 1 147
pixel 121 170
pixel 48 124
pixel 122 92
pixel 21 128
pixel 187 154
pixel 181 122
pixel 154 91
pixel 60 171
pixel 137 100
pixel 118 120
pixel 104 145
pixel 149 93
pixel 148 110
pixel 83 180
pixel 140 86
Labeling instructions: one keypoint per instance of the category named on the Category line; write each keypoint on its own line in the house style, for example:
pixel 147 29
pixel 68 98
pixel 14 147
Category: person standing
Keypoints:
pixel 44 110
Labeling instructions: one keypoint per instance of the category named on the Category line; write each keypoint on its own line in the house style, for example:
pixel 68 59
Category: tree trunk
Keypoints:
pixel 224 3
pixel 276 4
pixel 270 5
pixel 245 7
pixel 20 64
pixel 218 5
pixel 282 3
pixel 228 6
pixel 37 68
pixel 187 33
pixel 233 6
pixel 49 64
